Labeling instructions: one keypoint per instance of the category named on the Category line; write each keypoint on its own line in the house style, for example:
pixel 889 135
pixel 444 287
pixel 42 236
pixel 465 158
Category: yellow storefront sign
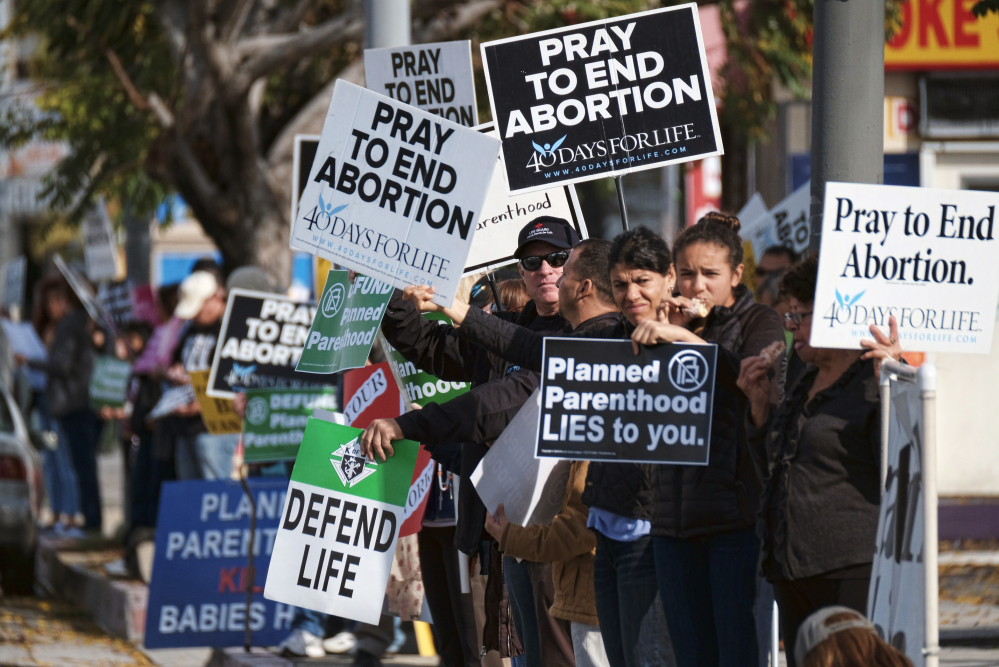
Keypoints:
pixel 943 34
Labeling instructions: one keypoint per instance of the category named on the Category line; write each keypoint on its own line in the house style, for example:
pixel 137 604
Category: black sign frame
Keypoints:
pixel 671 413
pixel 558 100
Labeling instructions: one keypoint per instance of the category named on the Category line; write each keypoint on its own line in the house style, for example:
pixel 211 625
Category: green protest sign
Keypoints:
pixel 419 387
pixel 109 382
pixel 333 552
pixel 345 324
pixel 275 421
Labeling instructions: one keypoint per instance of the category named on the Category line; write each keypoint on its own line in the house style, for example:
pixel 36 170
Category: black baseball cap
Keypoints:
pixel 549 229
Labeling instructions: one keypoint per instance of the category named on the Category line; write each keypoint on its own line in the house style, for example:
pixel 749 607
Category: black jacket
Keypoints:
pixel 438 349
pixel 69 365
pixel 621 488
pixel 823 492
pixel 691 501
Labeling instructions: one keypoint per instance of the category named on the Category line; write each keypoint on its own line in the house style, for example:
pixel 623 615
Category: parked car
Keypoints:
pixel 21 489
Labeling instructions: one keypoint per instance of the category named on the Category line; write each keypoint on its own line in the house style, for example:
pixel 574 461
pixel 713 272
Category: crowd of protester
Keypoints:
pixel 644 565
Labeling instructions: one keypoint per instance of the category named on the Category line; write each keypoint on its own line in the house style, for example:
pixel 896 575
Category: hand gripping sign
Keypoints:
pixel 603 98
pixel 333 551
pixel 926 256
pixel 394 192
pixel 602 402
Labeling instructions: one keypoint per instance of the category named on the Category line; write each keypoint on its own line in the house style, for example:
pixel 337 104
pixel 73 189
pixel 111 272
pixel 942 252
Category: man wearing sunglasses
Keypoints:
pixel 543 247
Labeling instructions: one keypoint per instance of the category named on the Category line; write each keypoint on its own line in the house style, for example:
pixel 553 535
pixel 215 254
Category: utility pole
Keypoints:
pixel 848 92
pixel 137 247
pixel 387 23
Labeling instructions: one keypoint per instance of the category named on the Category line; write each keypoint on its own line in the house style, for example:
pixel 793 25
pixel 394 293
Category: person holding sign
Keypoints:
pixel 825 445
pixel 703 520
pixel 631 619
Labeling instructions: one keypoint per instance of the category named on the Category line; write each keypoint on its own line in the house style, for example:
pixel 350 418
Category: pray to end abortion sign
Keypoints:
pixel 926 256
pixel 602 402
pixel 603 98
pixel 394 193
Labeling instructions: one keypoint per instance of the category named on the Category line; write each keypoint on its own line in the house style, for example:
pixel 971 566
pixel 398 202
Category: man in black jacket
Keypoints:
pixel 542 250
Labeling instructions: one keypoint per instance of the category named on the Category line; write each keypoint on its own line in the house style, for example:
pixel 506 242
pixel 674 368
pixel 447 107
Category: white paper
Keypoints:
pixel 530 489
pixel 754 208
pixel 437 177
pixel 13 282
pixel 172 399
pixel 933 267
pixel 434 77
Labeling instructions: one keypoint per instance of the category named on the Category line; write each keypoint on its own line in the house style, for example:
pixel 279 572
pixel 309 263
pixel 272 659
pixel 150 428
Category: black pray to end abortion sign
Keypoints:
pixel 603 98
pixel 602 402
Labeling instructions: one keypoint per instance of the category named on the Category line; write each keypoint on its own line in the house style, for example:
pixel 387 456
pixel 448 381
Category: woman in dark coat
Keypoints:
pixel 819 515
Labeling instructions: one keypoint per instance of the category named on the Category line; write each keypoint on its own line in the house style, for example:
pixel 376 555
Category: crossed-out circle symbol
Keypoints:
pixel 333 300
pixel 256 410
pixel 688 370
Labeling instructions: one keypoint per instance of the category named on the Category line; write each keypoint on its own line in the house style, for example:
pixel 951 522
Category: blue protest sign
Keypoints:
pixel 197 596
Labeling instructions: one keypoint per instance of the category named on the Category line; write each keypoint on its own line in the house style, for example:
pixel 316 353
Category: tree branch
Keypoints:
pixel 262 55
pixel 446 25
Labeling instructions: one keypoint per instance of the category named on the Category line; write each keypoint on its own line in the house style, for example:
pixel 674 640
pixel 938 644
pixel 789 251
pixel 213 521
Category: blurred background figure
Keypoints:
pixel 772 265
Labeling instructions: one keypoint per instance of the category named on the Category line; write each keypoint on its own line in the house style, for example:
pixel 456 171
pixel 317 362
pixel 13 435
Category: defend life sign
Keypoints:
pixel 434 77
pixel 394 193
pixel 602 402
pixel 504 215
pixel 926 256
pixel 262 338
pixel 345 324
pixel 603 98
pixel 333 552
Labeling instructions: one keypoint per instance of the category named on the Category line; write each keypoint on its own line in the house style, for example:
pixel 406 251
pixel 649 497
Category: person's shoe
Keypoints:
pixel 365 659
pixel 343 642
pixel 300 642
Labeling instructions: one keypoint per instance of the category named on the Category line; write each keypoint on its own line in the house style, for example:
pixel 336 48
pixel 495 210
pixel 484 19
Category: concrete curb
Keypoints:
pixel 118 607
pixel 237 657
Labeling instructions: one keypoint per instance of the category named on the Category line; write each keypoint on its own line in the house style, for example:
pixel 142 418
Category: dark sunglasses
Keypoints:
pixel 554 259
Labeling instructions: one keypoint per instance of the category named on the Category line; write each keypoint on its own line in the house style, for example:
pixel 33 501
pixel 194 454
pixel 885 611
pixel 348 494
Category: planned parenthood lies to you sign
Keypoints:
pixel 602 402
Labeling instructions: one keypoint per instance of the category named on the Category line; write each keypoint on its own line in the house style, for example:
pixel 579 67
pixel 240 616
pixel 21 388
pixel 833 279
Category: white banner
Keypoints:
pixel 896 602
pixel 436 78
pixel 100 252
pixel 530 489
pixel 926 256
pixel 504 215
pixel 395 192
pixel 784 224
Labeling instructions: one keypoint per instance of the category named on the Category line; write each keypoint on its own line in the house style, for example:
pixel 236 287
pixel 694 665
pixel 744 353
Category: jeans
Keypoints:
pixel 628 606
pixel 518 587
pixel 205 456
pixel 313 622
pixel 60 476
pixel 708 589
pixel 82 429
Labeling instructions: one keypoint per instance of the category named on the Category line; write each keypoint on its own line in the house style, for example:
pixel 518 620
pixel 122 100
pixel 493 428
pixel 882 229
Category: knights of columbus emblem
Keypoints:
pixel 351 466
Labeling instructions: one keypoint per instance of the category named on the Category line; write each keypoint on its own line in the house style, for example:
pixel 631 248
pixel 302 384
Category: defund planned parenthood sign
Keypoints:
pixel 603 98
pixel 395 192
pixel 926 256
pixel 602 402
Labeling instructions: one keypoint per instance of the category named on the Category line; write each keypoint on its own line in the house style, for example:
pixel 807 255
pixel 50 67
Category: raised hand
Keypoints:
pixel 882 347
pixel 755 384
